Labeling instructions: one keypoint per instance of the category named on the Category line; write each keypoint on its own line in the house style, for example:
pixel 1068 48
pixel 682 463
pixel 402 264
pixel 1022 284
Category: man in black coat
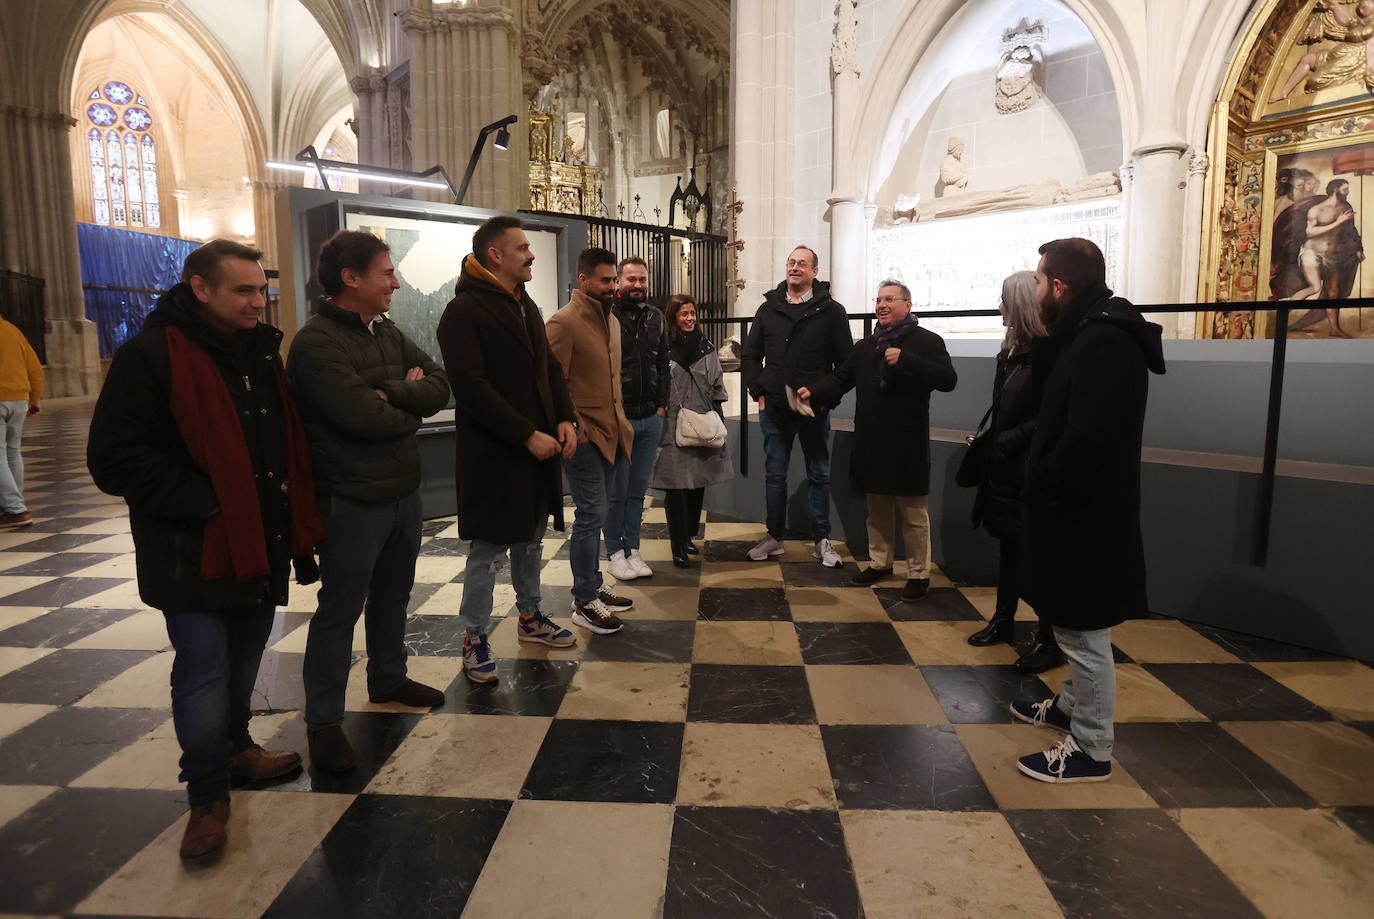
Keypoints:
pixel 894 370
pixel 1083 563
pixel 195 430
pixel 799 335
pixel 514 420
pixel 363 388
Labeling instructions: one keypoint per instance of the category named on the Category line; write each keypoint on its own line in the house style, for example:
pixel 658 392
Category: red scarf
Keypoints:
pixel 235 544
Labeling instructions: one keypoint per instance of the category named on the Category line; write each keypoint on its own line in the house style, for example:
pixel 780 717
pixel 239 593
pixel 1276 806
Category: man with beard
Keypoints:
pixel 363 387
pixel 1330 255
pixel 514 420
pixel 585 337
pixel 1083 563
pixel 644 384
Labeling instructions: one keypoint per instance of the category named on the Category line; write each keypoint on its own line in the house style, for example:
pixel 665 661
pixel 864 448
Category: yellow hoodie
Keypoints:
pixel 21 375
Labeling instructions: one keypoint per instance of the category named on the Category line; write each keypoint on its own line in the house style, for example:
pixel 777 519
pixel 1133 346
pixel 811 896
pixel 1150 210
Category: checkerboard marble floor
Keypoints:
pixel 761 740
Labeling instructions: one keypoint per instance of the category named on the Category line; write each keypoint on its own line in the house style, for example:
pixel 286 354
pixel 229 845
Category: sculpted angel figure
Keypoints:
pixel 1349 60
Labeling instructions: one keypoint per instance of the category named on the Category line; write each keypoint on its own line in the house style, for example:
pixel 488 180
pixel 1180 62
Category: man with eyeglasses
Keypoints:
pixel 894 371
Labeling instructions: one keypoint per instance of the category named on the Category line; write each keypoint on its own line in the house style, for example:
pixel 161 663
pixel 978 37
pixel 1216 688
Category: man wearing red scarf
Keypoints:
pixel 195 429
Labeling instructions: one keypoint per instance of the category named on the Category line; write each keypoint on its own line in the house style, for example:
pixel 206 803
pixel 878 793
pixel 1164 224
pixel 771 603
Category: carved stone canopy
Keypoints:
pixel 1020 79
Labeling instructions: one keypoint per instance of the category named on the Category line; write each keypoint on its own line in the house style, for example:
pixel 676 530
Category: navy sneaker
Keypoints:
pixel 1045 714
pixel 1064 762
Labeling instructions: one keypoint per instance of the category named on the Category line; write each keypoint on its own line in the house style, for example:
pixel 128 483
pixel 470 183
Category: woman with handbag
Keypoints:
pixel 1008 436
pixel 692 450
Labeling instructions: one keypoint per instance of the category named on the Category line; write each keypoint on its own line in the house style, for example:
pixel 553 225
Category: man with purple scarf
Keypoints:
pixel 893 371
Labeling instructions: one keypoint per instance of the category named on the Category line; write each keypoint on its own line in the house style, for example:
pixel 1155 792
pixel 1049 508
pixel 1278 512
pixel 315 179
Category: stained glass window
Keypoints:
pixel 123 164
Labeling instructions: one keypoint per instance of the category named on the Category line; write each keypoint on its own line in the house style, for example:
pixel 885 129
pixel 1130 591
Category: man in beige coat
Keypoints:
pixel 585 337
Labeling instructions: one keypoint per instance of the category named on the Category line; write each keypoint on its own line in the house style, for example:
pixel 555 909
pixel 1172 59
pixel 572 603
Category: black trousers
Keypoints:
pixel 1008 561
pixel 682 506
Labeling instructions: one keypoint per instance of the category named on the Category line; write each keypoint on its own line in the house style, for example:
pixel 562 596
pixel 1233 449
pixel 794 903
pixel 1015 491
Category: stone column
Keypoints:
pixel 370 87
pixel 1154 267
pixel 763 151
pixel 265 196
pixel 38 238
pixel 466 73
pixel 848 229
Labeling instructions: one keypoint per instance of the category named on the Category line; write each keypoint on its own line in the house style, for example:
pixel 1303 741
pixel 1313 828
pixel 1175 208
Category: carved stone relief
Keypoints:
pixel 1020 81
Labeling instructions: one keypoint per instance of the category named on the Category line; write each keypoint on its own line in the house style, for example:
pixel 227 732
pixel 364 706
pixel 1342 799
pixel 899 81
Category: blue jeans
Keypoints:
pixel 213 672
pixel 1088 696
pixel 12 415
pixel 814 434
pixel 369 555
pixel 589 479
pixel 526 560
pixel 625 510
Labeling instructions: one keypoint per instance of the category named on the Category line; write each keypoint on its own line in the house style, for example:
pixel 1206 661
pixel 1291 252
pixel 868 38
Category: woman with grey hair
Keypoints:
pixel 998 504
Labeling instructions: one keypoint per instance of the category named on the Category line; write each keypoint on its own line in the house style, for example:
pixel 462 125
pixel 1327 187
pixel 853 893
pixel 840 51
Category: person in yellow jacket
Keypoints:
pixel 21 386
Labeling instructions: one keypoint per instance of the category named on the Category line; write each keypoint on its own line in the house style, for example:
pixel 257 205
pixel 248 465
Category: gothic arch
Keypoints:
pixel 558 17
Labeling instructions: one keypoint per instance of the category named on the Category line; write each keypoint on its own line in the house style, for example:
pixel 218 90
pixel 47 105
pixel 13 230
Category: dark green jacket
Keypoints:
pixel 363 446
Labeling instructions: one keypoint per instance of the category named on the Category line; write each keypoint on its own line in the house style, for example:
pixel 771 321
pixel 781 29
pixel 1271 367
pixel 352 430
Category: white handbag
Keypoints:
pixel 698 429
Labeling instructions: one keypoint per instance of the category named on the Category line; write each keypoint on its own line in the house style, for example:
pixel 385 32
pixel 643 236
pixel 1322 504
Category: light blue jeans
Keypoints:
pixel 625 509
pixel 1088 696
pixel 479 581
pixel 12 415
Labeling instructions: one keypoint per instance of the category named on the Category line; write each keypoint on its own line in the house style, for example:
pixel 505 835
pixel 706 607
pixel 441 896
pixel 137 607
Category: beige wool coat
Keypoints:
pixel 585 337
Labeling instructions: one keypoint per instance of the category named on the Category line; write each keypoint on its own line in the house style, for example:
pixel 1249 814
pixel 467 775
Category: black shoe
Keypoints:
pixel 692 548
pixel 915 589
pixel 680 557
pixel 1041 657
pixel 870 576
pixel 330 750
pixel 995 632
pixel 411 693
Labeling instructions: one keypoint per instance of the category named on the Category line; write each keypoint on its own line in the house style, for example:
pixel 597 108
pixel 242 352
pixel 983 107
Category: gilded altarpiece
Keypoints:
pixel 1288 201
pixel 560 180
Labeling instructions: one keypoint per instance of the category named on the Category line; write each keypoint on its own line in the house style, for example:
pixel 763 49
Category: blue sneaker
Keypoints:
pixel 543 630
pixel 478 665
pixel 1045 714
pixel 1064 762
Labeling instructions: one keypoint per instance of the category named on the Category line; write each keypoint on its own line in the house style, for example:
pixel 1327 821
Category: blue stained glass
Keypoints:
pixel 119 93
pixel 142 101
pixel 95 94
pixel 138 119
pixel 102 114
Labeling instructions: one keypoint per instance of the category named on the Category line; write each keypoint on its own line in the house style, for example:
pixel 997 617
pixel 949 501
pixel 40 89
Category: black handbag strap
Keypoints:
pixel 986 416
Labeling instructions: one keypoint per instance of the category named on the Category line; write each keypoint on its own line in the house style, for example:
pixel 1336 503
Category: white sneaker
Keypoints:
pixel 620 568
pixel 825 551
pixel 637 565
pixel 765 549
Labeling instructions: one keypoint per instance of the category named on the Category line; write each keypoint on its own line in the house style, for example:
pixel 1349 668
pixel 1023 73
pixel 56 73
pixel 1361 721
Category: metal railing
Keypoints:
pixel 22 303
pixel 1264 501
pixel 679 261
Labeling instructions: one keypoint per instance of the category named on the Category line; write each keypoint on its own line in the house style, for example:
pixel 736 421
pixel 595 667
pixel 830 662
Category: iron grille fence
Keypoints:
pixel 22 303
pixel 680 262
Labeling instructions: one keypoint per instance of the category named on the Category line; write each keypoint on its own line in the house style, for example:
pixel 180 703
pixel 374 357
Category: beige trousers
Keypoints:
pixel 883 511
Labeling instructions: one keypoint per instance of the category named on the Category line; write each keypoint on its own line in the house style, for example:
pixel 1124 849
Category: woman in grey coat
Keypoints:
pixel 697 384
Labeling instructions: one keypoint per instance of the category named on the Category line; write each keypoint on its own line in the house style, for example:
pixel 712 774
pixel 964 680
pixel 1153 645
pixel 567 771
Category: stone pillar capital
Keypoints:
pixel 453 18
pixel 61 120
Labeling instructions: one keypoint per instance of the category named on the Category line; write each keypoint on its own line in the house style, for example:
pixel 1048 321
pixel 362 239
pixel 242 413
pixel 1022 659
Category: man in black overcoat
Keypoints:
pixel 1083 564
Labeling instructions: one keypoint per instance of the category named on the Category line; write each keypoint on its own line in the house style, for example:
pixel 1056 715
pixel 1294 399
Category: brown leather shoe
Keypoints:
pixel 255 763
pixel 21 519
pixel 416 695
pixel 330 750
pixel 207 831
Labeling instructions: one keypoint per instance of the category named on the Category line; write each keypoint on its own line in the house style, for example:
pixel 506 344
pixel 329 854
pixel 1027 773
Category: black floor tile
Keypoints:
pixel 942 604
pixel 851 643
pixel 530 687
pixel 60 591
pixel 727 550
pixel 60 563
pixel 374 736
pixel 1126 863
pixel 395 857
pixel 902 767
pixel 622 761
pixel 435 636
pixel 1236 692
pixel 666 574
pixel 63 542
pixel 54 854
pixel 814 574
pixel 746 863
pixel 1198 764
pixel 60 628
pixel 420 592
pixel 435 527
pixel 63 745
pixel 279 687
pixel 1254 648
pixel 981 695
pixel 445 547
pixel 718 604
pixel 1359 819
pixel 644 640
pixel 67 675
pixel 750 695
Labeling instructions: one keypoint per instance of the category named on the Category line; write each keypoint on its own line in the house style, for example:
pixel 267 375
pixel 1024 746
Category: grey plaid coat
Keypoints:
pixel 693 467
